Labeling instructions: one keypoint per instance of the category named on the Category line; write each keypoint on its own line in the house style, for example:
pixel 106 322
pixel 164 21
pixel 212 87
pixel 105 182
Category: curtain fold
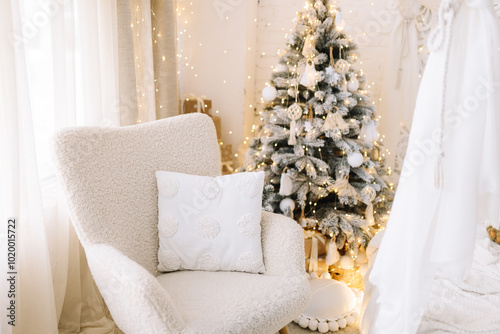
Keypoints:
pixel 143 55
pixel 70 63
pixel 402 72
pixel 126 63
pixel 147 55
pixel 165 57
pixel 21 193
pixel 400 85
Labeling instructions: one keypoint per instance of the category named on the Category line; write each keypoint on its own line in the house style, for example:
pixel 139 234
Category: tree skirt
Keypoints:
pixel 293 328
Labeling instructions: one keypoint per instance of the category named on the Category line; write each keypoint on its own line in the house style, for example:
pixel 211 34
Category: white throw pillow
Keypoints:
pixel 210 224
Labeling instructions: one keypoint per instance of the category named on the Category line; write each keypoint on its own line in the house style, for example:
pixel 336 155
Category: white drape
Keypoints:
pixel 62 66
pixel 403 67
pixel 432 226
pixel 401 81
pixel 147 56
pixel 59 70
pixel 21 193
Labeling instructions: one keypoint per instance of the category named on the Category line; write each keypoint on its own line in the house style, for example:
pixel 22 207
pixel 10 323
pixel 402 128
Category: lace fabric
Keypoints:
pixel 432 229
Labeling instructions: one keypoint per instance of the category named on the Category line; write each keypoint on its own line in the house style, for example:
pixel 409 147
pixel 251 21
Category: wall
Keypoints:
pixel 215 59
pixel 228 47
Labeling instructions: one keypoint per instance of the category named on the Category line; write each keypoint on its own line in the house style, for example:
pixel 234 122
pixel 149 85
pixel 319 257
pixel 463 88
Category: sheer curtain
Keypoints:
pixel 148 80
pixel 405 62
pixel 61 66
pixel 21 193
pixel 59 70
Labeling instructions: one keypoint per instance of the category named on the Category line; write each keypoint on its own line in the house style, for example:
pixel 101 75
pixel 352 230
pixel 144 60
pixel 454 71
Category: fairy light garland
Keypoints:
pixel 186 14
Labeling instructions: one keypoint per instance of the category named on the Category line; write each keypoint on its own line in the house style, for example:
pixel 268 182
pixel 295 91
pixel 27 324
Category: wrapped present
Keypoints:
pixel 320 266
pixel 226 153
pixel 308 246
pixel 217 123
pixel 193 103
pixel 315 244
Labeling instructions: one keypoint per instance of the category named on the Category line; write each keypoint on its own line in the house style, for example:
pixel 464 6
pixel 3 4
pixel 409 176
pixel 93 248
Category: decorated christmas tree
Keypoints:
pixel 318 142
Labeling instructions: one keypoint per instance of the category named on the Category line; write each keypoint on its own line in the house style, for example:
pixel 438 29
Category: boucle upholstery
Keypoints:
pixel 234 302
pixel 108 175
pixel 109 178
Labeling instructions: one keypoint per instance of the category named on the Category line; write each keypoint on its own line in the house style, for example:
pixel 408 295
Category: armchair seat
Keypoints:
pixel 221 302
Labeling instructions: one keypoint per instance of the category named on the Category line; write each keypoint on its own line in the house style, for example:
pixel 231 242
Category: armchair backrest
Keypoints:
pixel 108 175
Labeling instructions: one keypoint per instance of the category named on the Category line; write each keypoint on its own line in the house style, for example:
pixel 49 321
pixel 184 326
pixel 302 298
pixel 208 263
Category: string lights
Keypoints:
pixel 191 43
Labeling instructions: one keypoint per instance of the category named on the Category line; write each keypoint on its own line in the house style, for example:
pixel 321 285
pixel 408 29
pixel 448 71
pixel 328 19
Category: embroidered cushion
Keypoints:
pixel 210 224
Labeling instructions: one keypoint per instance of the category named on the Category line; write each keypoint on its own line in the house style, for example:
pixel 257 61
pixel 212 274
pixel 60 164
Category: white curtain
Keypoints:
pixel 21 193
pixel 59 68
pixel 69 63
pixel 404 65
pixel 147 56
pixel 440 191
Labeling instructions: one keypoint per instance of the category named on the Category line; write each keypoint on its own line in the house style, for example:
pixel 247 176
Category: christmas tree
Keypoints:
pixel 318 143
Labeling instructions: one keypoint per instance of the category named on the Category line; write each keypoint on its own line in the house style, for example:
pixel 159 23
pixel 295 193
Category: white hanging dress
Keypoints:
pixel 450 181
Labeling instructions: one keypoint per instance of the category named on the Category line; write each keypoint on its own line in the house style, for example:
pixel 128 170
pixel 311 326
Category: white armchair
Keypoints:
pixel 109 179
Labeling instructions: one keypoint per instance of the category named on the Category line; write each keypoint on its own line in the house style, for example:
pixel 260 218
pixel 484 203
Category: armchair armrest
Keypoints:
pixel 282 245
pixel 134 297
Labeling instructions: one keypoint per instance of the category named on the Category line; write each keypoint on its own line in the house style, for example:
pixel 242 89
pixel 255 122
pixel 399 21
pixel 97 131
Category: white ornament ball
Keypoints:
pixel 269 93
pixel 281 68
pixel 350 320
pixel 361 258
pixel 323 327
pixel 346 262
pixel 287 204
pixel 353 84
pixel 355 159
pixel 355 315
pixel 303 322
pixel 313 324
pixel 333 326
pixel 342 323
pixel 326 275
pixel 314 275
